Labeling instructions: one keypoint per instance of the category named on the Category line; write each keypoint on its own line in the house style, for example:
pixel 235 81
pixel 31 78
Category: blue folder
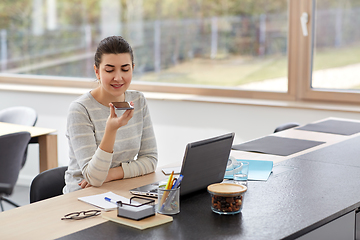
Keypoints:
pixel 259 170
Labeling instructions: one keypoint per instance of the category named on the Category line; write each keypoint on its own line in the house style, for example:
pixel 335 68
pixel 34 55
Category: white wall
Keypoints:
pixel 175 122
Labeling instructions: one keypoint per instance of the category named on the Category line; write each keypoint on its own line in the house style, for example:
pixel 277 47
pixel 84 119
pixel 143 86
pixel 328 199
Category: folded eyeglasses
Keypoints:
pixel 81 215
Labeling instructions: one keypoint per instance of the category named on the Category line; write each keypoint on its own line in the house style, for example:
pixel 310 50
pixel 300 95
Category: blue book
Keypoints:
pixel 259 170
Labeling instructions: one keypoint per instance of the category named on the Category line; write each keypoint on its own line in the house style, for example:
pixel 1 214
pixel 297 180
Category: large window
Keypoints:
pixel 236 48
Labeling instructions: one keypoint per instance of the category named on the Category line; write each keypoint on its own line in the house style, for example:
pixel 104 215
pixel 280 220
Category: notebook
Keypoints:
pixel 204 163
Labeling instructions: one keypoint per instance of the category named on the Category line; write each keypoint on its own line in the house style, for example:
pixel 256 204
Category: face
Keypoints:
pixel 115 74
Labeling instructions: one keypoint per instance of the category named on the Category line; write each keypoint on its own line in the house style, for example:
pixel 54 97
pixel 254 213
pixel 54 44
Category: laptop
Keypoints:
pixel 204 163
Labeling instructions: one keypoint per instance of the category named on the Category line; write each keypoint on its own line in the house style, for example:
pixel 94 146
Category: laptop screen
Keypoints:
pixel 205 163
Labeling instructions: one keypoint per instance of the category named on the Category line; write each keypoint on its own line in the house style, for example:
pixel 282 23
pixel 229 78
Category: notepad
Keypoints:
pixel 100 202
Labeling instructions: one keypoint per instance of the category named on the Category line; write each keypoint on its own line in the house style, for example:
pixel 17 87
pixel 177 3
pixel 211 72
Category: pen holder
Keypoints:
pixel 168 201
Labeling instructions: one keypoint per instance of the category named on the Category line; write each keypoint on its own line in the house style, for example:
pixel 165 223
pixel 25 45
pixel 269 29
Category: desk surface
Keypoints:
pixel 287 205
pixel 41 220
pixel 6 128
pixel 329 140
pixel 272 210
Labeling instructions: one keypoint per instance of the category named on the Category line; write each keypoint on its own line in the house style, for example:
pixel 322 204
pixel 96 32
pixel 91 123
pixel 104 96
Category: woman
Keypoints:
pixel 108 144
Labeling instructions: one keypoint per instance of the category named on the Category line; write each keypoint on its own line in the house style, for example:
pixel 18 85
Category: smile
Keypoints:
pixel 117 85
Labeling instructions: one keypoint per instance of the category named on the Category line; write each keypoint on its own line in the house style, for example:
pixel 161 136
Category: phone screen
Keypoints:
pixel 122 106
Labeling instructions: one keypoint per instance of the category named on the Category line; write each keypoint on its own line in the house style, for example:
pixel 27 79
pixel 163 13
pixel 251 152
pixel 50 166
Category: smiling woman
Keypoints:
pixel 106 144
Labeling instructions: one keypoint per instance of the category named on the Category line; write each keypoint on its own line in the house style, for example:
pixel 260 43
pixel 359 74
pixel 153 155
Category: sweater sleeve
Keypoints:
pixel 93 162
pixel 147 157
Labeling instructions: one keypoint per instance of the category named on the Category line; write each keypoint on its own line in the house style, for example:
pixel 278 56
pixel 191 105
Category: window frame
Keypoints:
pixel 306 92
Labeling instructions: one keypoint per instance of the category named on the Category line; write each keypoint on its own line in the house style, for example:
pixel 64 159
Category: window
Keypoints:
pixel 234 48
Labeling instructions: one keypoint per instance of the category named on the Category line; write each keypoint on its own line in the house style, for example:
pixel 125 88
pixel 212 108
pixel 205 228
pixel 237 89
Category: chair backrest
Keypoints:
pixel 286 126
pixel 47 184
pixel 12 149
pixel 19 115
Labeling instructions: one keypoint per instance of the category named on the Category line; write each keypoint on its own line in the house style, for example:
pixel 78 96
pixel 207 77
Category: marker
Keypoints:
pixel 109 200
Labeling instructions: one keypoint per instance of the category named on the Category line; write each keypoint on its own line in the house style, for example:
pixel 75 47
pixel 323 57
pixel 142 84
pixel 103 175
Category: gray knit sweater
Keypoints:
pixel 134 149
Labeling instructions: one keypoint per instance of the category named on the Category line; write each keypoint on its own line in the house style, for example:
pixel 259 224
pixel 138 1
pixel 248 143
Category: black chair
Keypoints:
pixel 286 126
pixel 19 115
pixel 12 150
pixel 47 184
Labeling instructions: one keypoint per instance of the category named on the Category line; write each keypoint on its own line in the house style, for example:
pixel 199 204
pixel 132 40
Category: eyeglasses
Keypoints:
pixel 81 215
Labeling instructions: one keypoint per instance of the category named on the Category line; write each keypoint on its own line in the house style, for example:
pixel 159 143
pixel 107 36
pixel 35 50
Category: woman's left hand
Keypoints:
pixel 84 184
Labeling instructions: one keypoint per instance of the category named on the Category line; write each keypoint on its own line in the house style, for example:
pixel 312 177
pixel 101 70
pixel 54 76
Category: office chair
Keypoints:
pixel 12 149
pixel 19 115
pixel 286 126
pixel 47 184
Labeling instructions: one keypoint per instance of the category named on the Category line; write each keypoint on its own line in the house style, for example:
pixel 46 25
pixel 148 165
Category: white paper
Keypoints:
pixel 100 202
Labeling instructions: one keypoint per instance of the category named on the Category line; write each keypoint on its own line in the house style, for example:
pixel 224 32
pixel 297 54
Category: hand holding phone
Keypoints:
pixel 122 106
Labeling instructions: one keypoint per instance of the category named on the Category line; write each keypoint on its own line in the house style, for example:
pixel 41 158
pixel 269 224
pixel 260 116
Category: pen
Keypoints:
pixel 109 200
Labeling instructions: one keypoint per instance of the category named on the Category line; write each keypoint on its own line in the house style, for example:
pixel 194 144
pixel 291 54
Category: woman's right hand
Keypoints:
pixel 114 122
pixel 112 125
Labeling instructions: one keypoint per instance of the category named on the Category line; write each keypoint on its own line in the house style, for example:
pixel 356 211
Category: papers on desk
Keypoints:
pixel 258 170
pixel 100 202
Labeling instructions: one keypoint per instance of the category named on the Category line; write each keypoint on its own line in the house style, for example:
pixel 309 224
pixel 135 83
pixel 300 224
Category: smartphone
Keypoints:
pixel 122 106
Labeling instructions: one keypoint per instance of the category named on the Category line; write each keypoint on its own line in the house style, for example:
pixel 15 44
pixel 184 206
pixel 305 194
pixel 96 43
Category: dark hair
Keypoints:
pixel 113 45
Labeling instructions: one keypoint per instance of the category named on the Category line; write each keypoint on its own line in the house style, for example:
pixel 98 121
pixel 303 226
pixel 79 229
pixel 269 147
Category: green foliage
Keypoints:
pixel 18 13
pixel 15 14
pixel 175 9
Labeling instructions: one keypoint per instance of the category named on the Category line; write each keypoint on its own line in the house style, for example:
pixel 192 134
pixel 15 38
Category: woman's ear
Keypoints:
pixel 96 70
